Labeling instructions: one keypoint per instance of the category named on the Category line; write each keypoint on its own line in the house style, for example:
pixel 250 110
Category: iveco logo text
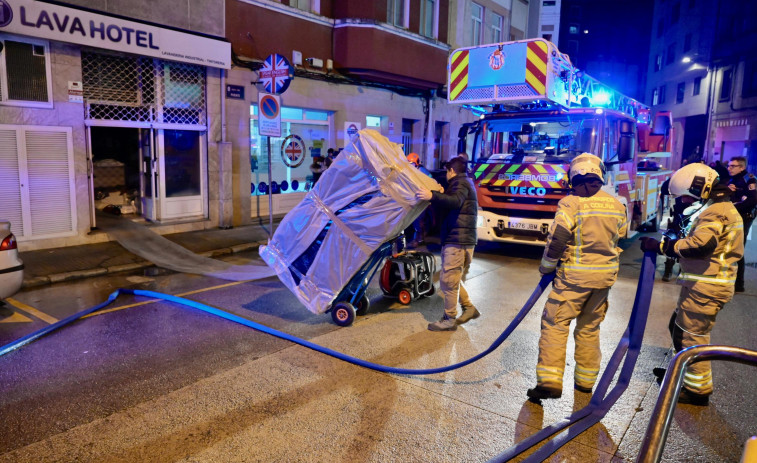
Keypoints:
pixel 529 177
pixel 527 191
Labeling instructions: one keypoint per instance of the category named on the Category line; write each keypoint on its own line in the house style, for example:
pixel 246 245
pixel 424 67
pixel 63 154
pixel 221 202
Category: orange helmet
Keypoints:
pixel 413 157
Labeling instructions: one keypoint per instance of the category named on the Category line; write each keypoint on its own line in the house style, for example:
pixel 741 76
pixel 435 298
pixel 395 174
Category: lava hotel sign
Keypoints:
pixel 55 22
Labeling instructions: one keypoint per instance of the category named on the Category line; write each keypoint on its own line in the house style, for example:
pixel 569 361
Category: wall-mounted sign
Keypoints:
pixel 56 22
pixel 75 91
pixel 351 129
pixel 269 115
pixel 235 92
pixel 293 151
pixel 276 74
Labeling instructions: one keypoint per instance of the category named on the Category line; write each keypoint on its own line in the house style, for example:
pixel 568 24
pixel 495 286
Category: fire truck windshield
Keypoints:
pixel 552 138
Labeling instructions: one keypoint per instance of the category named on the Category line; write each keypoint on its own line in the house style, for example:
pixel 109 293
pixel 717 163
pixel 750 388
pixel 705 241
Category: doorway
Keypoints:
pixel 157 174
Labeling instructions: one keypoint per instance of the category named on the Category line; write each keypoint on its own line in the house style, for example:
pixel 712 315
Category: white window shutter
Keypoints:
pixel 10 191
pixel 49 167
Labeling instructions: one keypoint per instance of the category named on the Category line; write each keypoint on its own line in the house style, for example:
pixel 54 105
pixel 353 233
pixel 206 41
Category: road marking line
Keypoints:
pixel 136 304
pixel 32 311
pixel 17 318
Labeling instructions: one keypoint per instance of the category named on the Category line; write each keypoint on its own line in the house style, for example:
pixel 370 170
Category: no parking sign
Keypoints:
pixel 269 115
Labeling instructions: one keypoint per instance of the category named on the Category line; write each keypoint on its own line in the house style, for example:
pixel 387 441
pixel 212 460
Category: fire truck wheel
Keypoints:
pixel 343 313
pixel 405 297
pixel 363 304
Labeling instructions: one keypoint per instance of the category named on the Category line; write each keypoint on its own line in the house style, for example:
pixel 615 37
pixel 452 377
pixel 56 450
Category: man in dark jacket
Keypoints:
pixel 458 238
pixel 743 188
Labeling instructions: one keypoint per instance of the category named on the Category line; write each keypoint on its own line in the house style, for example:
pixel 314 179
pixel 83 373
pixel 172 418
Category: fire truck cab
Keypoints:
pixel 536 113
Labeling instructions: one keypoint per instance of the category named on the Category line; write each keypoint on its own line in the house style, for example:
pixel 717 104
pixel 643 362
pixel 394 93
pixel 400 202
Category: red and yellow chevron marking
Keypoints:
pixel 458 74
pixel 536 66
pixel 534 175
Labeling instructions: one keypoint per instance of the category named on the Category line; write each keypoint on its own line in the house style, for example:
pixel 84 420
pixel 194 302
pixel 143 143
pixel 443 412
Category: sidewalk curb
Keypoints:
pixel 37 281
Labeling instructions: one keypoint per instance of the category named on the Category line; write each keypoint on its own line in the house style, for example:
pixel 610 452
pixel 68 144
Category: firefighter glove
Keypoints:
pixel 650 244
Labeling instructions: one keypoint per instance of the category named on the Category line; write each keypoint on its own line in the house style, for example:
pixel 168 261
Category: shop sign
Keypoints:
pixel 56 22
pixel 276 74
pixel 75 91
pixel 235 92
pixel 293 151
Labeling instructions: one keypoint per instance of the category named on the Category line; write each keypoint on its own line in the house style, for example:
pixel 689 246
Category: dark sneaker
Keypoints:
pixel 691 398
pixel 585 390
pixel 445 324
pixel 468 314
pixel 659 373
pixel 540 392
pixel 666 276
pixel 739 289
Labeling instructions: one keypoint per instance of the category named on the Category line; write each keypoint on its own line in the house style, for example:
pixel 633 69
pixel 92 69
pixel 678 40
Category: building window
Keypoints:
pixel 477 21
pixel 573 29
pixel 305 5
pixel 655 97
pixel 429 15
pixel 658 63
pixel 548 27
pixel 725 87
pixel 687 43
pixel 547 37
pixel 671 56
pixel 749 87
pixel 697 86
pixel 660 27
pixel 25 72
pixel 572 47
pixel 692 3
pixel 575 12
pixel 676 13
pixel 662 94
pixel 681 91
pixel 395 13
pixel 548 3
pixel 497 21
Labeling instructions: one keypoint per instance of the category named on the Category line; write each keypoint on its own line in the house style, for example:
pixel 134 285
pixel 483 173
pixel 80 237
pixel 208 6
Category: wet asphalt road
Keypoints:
pixel 153 381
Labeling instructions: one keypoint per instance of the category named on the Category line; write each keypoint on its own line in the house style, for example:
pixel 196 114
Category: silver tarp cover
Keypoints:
pixel 370 167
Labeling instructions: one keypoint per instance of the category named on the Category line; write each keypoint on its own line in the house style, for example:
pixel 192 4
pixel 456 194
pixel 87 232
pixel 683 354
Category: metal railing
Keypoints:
pixel 662 415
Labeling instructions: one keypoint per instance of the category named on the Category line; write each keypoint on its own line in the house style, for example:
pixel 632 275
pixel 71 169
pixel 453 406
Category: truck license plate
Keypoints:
pixel 523 226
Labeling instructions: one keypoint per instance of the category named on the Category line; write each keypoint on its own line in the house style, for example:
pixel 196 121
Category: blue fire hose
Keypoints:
pixel 601 401
pixel 543 283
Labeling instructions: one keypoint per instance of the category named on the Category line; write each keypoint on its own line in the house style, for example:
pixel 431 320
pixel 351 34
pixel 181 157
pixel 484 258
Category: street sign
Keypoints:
pixel 293 151
pixel 276 74
pixel 269 115
pixel 235 92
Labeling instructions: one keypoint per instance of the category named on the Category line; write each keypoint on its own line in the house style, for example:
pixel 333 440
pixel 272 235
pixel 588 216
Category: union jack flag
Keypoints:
pixel 275 74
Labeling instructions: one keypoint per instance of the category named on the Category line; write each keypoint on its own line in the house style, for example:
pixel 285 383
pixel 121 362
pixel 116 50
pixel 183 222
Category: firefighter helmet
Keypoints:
pixel 587 164
pixel 694 180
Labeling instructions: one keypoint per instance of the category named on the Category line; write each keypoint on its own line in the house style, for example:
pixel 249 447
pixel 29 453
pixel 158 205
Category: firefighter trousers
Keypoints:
pixel 588 307
pixel 691 325
pixel 456 261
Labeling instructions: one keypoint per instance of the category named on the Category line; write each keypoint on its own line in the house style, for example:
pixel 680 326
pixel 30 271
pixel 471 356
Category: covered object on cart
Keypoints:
pixel 365 199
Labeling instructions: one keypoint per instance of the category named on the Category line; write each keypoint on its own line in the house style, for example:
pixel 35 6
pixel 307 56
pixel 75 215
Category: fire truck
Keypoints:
pixel 536 113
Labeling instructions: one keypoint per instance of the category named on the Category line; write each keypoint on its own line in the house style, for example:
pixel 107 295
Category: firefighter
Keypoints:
pixel 712 243
pixel 584 239
pixel 743 188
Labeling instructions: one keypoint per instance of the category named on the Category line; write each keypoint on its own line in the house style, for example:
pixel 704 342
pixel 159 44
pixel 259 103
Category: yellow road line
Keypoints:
pixel 136 304
pixel 32 311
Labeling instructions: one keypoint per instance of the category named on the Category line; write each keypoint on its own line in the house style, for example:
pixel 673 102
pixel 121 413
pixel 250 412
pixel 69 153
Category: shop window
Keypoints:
pixel 680 92
pixel 304 135
pixel 697 86
pixel 25 78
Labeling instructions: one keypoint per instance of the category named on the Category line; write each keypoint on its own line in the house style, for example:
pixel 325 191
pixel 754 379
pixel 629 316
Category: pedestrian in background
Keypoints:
pixel 584 238
pixel 458 238
pixel 743 188
pixel 317 168
pixel 708 253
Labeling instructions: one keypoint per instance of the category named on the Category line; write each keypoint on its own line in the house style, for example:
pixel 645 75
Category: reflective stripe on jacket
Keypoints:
pixel 718 228
pixel 596 223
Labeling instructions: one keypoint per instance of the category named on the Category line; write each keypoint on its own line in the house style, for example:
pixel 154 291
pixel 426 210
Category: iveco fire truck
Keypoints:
pixel 536 113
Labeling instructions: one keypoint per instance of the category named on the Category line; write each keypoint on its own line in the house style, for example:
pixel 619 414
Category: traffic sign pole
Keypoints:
pixel 270 190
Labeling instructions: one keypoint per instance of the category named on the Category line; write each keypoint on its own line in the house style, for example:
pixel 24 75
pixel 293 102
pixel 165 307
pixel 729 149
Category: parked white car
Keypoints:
pixel 11 266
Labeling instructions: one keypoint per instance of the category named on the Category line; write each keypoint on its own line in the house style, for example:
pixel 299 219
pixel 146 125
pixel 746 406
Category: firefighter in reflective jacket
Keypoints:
pixel 712 243
pixel 584 239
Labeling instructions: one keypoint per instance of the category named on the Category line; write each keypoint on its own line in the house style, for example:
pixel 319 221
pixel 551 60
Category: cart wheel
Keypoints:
pixel 343 313
pixel 431 291
pixel 405 297
pixel 362 305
